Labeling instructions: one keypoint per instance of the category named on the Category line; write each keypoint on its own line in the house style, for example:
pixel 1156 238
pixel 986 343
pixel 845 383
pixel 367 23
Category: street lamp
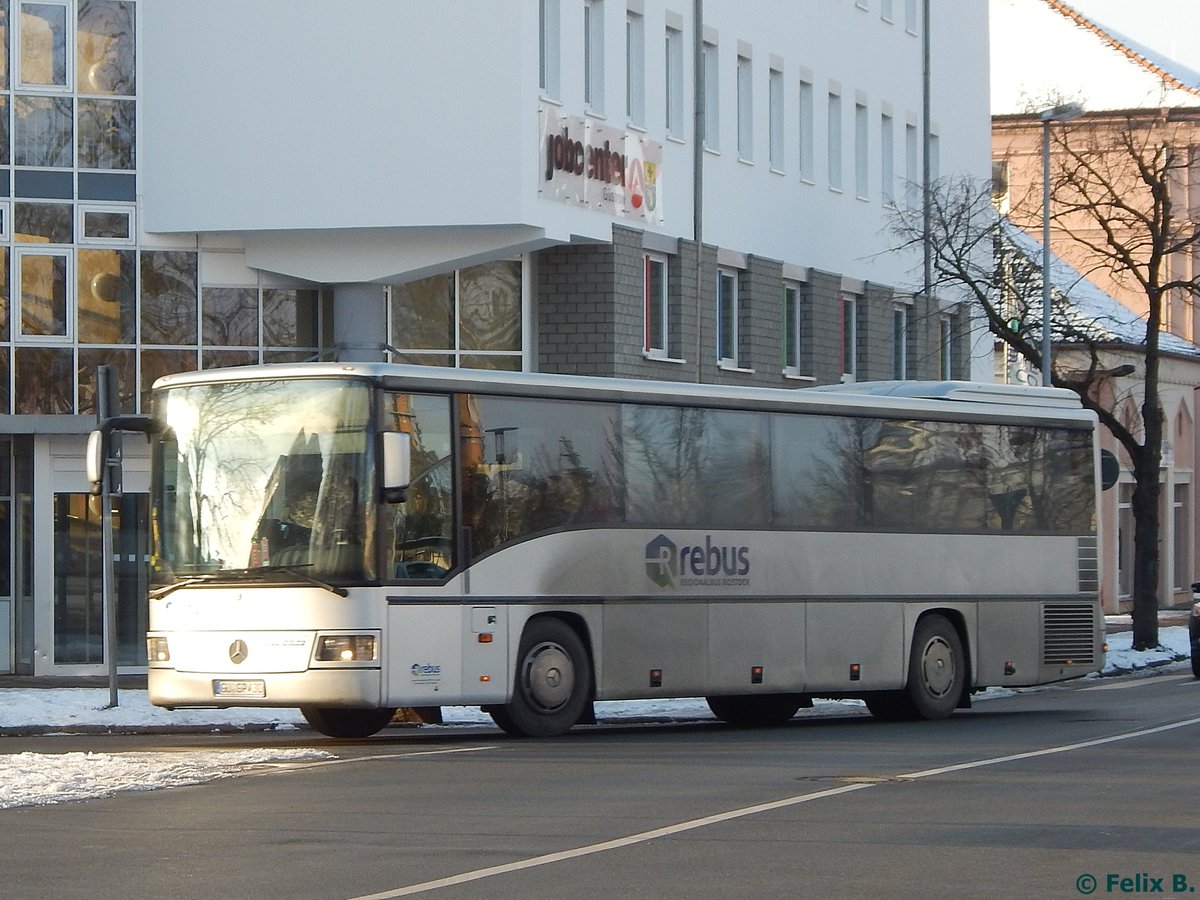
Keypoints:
pixel 1062 113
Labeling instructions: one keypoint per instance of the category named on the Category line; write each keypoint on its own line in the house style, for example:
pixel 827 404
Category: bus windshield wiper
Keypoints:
pixel 236 575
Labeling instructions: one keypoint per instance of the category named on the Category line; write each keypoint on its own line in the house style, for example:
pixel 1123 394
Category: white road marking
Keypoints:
pixel 1135 682
pixel 743 812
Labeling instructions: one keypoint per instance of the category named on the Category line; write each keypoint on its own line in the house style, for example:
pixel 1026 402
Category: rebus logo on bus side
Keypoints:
pixel 707 564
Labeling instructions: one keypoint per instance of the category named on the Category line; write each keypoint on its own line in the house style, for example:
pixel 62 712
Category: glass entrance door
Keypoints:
pixel 79 579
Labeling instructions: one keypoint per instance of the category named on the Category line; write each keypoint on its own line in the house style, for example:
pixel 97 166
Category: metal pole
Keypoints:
pixel 1047 370
pixel 926 163
pixel 698 172
pixel 105 401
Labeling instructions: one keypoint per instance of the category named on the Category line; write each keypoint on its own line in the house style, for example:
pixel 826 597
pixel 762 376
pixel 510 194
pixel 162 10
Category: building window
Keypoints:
pixel 935 158
pixel 849 337
pixel 807 145
pixel 885 10
pixel 674 74
pixel 862 152
pixel 945 348
pixel 108 225
pixel 834 140
pixel 775 120
pixel 912 167
pixel 635 69
pixel 910 15
pixel 712 110
pixel 887 160
pixel 900 342
pixel 471 318
pixel 593 55
pixel 796 352
pixel 105 298
pixel 43 307
pixel 657 343
pixel 745 107
pixel 728 313
pixel 43 39
pixel 105 48
pixel 1182 567
pixel 548 47
pixel 1125 540
pixel 43 131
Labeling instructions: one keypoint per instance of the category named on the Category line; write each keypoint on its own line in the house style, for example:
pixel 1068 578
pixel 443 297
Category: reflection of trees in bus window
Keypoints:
pixel 421 529
pixel 534 465
pixel 696 467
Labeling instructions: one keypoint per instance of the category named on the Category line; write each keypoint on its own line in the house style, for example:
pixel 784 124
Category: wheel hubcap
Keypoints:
pixel 549 676
pixel 937 664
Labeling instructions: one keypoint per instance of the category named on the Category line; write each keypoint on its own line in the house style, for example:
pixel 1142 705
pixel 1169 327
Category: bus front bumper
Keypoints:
pixel 357 687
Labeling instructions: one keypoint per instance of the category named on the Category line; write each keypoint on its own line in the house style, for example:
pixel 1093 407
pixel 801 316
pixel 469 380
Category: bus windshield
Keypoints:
pixel 261 477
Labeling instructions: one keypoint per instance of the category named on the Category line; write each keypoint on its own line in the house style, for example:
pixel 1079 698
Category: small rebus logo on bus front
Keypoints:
pixel 660 561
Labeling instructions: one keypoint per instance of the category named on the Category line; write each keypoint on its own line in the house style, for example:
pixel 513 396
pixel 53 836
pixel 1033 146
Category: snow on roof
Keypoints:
pixel 1046 51
pixel 1092 311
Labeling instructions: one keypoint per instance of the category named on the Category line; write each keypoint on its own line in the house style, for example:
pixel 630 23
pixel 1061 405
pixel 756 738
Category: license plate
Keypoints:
pixel 239 689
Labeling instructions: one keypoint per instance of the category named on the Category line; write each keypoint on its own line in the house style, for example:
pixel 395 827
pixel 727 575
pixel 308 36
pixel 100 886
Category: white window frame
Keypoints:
pixel 661 303
pixel 945 349
pixel 727 339
pixel 674 83
pixel 900 326
pixel 862 151
pixel 549 48
pixel 793 330
pixel 635 68
pixel 712 93
pixel 912 166
pixel 18 33
pixel 82 237
pixel 887 160
pixel 5 220
pixel 849 337
pixel 910 16
pixel 886 12
pixel 17 296
pixel 745 108
pixel 775 150
pixel 593 56
pixel 805 137
pixel 833 141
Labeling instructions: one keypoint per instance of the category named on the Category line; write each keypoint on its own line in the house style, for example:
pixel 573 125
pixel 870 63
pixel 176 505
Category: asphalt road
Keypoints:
pixel 1083 790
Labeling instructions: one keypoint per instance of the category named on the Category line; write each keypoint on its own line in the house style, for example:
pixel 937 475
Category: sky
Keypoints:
pixel 39 779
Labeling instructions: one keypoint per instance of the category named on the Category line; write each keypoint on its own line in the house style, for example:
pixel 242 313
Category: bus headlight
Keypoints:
pixel 346 648
pixel 157 650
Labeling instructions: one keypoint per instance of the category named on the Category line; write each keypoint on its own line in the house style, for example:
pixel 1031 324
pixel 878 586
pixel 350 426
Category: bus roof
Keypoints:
pixel 920 399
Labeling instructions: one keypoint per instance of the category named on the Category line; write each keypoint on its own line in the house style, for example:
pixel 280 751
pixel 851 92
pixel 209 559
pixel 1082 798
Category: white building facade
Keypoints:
pixel 506 184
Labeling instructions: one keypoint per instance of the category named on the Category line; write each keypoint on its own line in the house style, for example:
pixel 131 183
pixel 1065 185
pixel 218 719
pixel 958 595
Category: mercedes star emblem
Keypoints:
pixel 238 651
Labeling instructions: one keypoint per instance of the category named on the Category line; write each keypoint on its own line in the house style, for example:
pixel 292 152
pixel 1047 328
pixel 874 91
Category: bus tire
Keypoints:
pixel 344 722
pixel 552 685
pixel 936 669
pixel 755 711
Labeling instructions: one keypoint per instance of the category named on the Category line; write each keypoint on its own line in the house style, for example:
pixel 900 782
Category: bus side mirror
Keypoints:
pixel 1110 469
pixel 96 461
pixel 396 453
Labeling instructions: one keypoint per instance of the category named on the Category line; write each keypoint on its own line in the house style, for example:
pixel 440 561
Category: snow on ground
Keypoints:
pixel 35 779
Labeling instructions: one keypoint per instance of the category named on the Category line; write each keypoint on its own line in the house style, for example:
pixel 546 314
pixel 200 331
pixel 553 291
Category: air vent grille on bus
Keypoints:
pixel 1068 634
pixel 1089 564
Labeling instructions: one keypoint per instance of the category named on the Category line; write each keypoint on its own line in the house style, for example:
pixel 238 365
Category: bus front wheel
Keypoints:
pixel 341 722
pixel 936 675
pixel 552 684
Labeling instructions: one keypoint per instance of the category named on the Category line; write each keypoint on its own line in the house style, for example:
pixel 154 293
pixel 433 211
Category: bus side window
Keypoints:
pixel 420 531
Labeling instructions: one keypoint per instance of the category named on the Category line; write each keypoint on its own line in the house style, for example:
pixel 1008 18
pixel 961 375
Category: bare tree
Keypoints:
pixel 1114 185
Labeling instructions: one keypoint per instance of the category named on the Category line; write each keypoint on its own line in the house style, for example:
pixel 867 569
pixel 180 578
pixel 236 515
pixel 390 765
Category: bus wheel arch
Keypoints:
pixel 552 681
pixel 938 678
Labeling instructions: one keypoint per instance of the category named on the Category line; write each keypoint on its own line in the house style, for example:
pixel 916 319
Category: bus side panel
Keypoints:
pixel 643 637
pixel 435 655
pixel 1009 632
pixel 845 633
pixel 744 635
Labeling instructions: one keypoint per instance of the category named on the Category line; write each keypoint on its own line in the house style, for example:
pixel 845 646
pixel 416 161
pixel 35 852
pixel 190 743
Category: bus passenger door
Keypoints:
pixel 485 663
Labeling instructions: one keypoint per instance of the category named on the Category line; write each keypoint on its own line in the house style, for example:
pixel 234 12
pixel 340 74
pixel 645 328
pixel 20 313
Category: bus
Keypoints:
pixel 350 539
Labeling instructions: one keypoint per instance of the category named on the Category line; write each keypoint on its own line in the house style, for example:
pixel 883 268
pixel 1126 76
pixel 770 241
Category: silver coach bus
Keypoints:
pixel 353 538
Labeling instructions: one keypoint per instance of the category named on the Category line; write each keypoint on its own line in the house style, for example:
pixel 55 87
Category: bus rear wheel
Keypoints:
pixel 936 675
pixel 342 722
pixel 757 711
pixel 552 685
